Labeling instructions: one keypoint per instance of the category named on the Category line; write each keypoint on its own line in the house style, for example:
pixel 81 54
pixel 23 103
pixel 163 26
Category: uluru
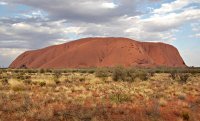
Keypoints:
pixel 101 52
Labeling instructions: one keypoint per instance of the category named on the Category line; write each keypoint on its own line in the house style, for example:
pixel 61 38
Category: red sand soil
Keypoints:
pixel 101 52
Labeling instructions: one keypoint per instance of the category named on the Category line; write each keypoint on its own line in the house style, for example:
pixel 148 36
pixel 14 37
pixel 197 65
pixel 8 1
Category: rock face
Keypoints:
pixel 101 52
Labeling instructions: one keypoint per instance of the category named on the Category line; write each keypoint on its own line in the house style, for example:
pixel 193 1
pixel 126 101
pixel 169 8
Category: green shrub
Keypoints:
pixel 174 74
pixel 101 72
pixel 119 98
pixel 151 72
pixel 57 81
pixel 119 74
pixel 82 79
pixel 129 75
pixel 22 76
pixel 82 71
pixel 42 71
pixel 42 84
pixel 142 75
pixel 27 81
pixel 184 77
pixel 180 77
pixel 49 70
pixel 91 71
pixel 185 116
pixel 4 81
pixel 18 87
pixel 57 74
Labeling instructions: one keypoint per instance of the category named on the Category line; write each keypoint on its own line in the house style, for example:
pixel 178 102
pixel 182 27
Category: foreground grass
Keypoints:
pixel 96 95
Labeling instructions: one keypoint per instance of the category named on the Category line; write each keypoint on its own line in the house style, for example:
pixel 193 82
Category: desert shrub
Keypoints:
pixel 16 70
pixel 18 87
pixel 27 81
pixel 82 79
pixel 119 98
pixel 1 77
pixel 49 70
pixel 101 72
pixel 152 111
pixel 57 81
pixel 57 75
pixel 119 74
pixel 142 75
pixel 180 77
pixel 184 77
pixel 129 75
pixel 42 84
pixel 82 71
pixel 91 71
pixel 4 81
pixel 185 116
pixel 22 76
pixel 31 71
pixel 42 71
pixel 173 74
pixel 151 72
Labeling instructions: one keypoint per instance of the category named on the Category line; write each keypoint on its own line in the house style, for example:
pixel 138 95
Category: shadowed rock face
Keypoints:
pixel 101 52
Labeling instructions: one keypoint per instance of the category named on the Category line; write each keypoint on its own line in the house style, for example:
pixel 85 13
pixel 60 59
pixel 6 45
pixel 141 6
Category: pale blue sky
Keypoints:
pixel 33 24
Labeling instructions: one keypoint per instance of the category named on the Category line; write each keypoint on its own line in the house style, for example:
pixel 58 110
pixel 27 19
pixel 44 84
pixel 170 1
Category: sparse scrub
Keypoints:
pixel 120 98
pixel 142 75
pixel 185 116
pixel 91 71
pixel 82 79
pixel 129 75
pixel 27 81
pixel 4 81
pixel 184 78
pixel 119 74
pixel 42 84
pixel 28 97
pixel 42 71
pixel 180 77
pixel 102 73
pixel 17 86
pixel 173 75
pixel 57 75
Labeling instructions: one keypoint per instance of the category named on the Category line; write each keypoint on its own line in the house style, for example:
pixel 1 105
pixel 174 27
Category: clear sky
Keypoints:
pixel 32 24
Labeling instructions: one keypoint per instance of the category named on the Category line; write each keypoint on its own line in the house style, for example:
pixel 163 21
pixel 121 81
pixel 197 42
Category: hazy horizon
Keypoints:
pixel 27 25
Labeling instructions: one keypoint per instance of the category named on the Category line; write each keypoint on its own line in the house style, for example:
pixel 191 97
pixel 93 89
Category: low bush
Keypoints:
pixel 142 75
pixel 184 78
pixel 42 71
pixel 119 74
pixel 119 98
pixel 180 77
pixel 129 75
pixel 27 81
pixel 57 81
pixel 91 71
pixel 4 81
pixel 101 72
pixel 18 87
pixel 173 74
pixel 82 79
pixel 185 116
pixel 42 84
pixel 57 75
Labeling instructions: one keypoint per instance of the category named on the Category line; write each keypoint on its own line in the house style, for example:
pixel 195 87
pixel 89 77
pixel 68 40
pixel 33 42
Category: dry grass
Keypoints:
pixel 16 85
pixel 83 96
